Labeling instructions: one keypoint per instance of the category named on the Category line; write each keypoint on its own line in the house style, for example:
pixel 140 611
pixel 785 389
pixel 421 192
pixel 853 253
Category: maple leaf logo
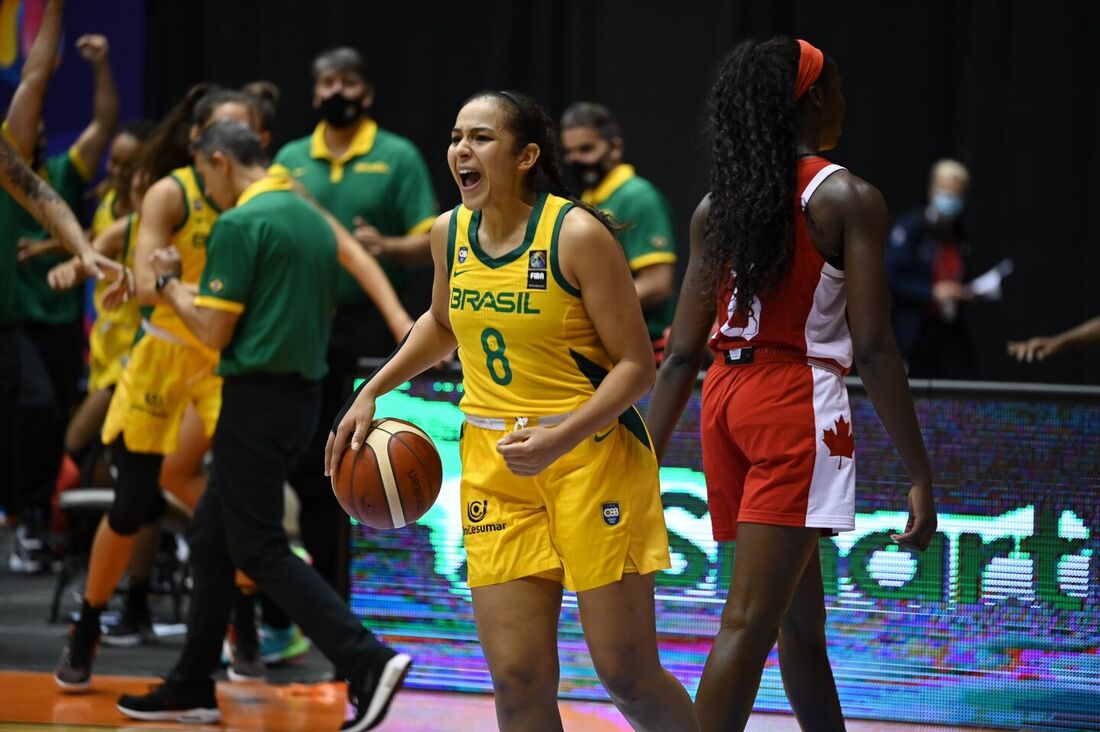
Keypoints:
pixel 839 441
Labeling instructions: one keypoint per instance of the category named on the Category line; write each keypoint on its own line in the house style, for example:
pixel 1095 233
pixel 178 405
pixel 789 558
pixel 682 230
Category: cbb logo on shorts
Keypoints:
pixel 611 513
pixel 476 510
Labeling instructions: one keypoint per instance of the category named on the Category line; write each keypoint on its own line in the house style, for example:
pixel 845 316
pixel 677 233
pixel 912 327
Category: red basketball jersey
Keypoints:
pixel 807 311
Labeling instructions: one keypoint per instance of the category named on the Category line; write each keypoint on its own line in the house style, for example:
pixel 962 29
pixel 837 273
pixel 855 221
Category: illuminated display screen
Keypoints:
pixel 997 624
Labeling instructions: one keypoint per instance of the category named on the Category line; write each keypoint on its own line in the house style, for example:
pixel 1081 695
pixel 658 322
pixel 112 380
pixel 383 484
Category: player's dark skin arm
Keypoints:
pixel 684 353
pixel 848 217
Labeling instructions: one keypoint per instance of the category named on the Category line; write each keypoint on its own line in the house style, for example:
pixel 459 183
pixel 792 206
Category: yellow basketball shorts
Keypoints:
pixel 589 517
pixel 158 382
pixel 108 344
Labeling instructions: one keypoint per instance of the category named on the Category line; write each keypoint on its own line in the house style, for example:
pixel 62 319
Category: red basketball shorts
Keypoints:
pixel 777 447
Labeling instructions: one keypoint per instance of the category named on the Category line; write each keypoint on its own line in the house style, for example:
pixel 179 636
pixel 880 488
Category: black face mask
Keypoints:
pixel 588 175
pixel 341 112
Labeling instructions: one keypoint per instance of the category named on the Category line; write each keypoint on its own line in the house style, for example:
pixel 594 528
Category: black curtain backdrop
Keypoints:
pixel 1007 87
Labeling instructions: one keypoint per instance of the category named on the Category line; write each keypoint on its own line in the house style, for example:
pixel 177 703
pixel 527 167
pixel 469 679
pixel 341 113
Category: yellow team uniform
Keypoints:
pixel 531 355
pixel 168 367
pixel 113 332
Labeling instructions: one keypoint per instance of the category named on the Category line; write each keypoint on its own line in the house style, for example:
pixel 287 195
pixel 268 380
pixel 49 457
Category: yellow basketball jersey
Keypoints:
pixel 129 312
pixel 104 213
pixel 189 238
pixel 527 345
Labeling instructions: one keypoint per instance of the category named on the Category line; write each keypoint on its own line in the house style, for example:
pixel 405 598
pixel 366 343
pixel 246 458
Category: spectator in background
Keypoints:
pixel 374 183
pixel 1085 335
pixel 927 263
pixel 592 142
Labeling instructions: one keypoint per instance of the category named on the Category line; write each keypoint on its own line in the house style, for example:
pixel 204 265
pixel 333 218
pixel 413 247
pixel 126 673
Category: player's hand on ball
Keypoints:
pixel 530 451
pixel 921 526
pixel 352 430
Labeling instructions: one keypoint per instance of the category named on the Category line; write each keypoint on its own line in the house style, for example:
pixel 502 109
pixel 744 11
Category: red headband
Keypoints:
pixel 810 61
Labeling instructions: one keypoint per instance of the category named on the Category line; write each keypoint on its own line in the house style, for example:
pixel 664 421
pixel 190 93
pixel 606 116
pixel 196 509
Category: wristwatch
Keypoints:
pixel 164 279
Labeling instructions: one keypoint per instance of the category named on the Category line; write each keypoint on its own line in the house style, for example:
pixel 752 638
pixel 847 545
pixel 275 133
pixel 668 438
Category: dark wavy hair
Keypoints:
pixel 530 123
pixel 754 125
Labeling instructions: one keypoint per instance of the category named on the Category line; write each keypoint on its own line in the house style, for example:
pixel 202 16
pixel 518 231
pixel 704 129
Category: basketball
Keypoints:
pixel 394 477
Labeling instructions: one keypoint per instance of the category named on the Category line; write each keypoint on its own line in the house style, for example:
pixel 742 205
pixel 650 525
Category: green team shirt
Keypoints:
pixel 273 260
pixel 635 203
pixel 381 178
pixel 25 295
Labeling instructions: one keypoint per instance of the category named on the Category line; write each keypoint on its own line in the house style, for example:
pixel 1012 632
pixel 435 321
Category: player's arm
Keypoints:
pixel 92 143
pixel 593 262
pixel 25 111
pixel 684 353
pixel 50 210
pixel 161 212
pixel 429 342
pixel 866 225
pixel 413 250
pixel 109 243
pixel 1043 347
pixel 654 284
pixel 213 326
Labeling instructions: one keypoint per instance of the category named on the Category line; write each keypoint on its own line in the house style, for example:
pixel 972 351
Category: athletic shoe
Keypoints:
pixel 369 701
pixel 30 553
pixel 131 630
pixel 244 670
pixel 74 670
pixel 282 644
pixel 174 702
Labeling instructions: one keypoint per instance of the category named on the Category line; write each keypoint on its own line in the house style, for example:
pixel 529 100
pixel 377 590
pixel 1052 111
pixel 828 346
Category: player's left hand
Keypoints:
pixel 93 48
pixel 531 450
pixel 122 291
pixel 921 526
pixel 166 261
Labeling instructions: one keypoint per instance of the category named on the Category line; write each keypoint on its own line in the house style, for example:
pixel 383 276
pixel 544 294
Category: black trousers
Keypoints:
pixel 265 423
pixel 10 378
pixel 38 439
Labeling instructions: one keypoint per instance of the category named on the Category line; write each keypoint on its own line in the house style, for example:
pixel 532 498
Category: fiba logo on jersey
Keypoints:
pixel 611 514
pixel 476 510
pixel 536 270
pixel 463 255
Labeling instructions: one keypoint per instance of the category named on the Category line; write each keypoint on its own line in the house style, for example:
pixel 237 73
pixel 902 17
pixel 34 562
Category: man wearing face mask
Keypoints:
pixel 927 264
pixel 592 143
pixel 376 184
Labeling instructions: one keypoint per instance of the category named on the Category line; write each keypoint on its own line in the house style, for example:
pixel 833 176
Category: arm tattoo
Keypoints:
pixel 31 192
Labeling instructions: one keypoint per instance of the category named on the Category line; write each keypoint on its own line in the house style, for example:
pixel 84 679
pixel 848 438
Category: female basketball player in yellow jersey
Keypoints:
pixel 559 479
pixel 168 371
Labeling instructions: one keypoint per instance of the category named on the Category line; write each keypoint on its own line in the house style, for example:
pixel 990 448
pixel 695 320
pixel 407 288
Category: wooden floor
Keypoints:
pixel 30 701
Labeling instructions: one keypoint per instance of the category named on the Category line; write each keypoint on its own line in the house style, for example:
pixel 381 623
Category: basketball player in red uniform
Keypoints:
pixel 787 252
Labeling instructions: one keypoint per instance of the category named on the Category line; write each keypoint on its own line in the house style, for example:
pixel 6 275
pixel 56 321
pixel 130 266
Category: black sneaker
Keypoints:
pixel 74 670
pixel 369 701
pixel 132 629
pixel 174 702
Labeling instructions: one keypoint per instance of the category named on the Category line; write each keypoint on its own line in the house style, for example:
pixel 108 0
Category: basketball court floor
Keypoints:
pixel 298 697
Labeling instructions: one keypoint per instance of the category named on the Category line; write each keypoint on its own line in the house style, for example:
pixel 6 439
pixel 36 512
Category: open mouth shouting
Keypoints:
pixel 468 179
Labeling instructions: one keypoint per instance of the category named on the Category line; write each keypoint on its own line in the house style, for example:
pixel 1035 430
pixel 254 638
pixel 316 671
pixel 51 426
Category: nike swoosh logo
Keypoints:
pixel 605 435
pixel 454 275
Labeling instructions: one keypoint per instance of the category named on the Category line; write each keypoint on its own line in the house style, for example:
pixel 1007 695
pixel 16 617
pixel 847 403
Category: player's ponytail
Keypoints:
pixel 530 124
pixel 169 144
pixel 754 122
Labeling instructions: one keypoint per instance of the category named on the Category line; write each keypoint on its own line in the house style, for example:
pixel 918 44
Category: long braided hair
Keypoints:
pixel 754 122
pixel 530 123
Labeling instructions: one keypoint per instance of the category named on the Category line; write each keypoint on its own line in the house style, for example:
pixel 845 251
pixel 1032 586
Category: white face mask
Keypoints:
pixel 947 205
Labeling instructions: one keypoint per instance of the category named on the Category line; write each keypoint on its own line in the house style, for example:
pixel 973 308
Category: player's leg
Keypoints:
pixel 621 632
pixel 183 475
pixel 768 566
pixel 517 624
pixel 804 658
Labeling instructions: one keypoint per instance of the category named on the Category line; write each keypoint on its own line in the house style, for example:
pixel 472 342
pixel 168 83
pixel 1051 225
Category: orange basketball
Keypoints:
pixel 394 477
